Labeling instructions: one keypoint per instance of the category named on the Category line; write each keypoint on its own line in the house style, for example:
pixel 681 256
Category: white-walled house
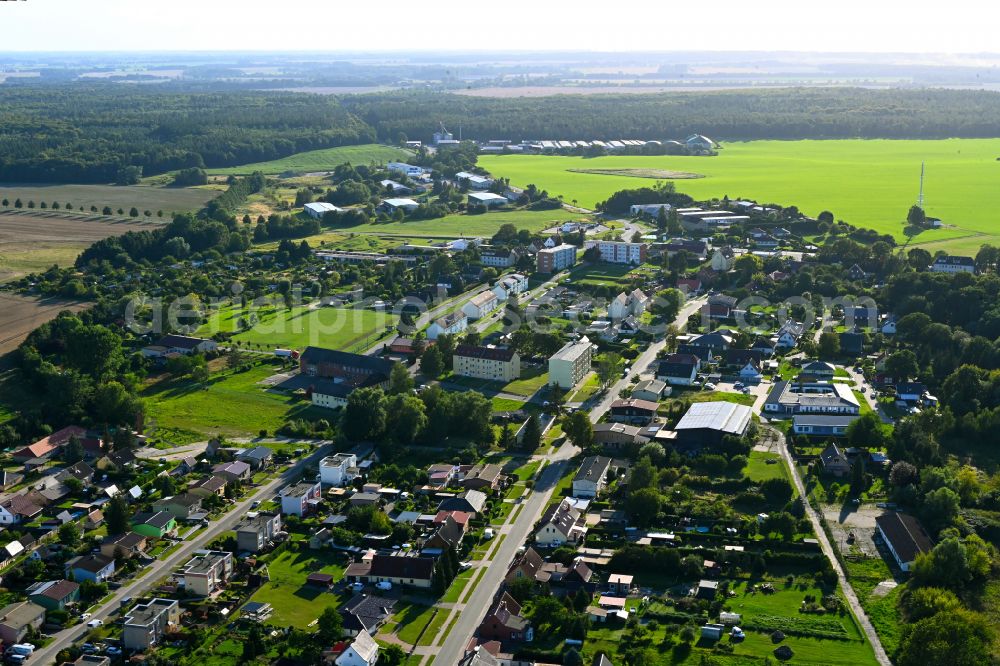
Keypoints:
pixel 450 324
pixel 335 470
pixel 480 305
pixel 363 651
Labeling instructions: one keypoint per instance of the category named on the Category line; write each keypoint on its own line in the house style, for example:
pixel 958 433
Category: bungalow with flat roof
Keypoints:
pixel 300 499
pixel 254 534
pixel 146 624
pixel 207 571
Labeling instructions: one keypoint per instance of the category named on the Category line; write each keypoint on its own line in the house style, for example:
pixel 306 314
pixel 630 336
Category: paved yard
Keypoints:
pixel 860 520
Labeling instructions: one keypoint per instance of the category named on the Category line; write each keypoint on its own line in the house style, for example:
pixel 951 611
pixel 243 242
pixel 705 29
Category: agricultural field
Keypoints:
pixel 20 315
pixel 34 241
pixel 459 225
pixel 143 197
pixel 325 159
pixel 300 326
pixel 868 183
pixel 234 404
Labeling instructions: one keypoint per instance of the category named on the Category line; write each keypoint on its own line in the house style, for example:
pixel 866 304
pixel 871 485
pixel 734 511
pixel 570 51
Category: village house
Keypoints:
pixel 336 470
pixel 300 499
pixel 401 570
pixel 258 457
pixel 54 594
pixel 592 477
pixel 469 501
pixel 651 390
pixel 904 536
pixel 95 568
pixel 503 622
pixel 617 436
pixel 254 534
pixel 125 546
pixel 678 369
pixel 146 624
pixel 17 509
pixel 560 524
pixel 46 447
pixel 789 334
pixel 953 264
pixel 633 411
pixel 834 462
pixel 453 323
pixel 706 423
pixel 233 471
pixel 210 485
pixel 364 612
pixel 207 571
pixel 157 524
pixel 363 651
pixel 179 344
pixel 181 506
pixel 480 305
pixel 18 618
pixel 484 477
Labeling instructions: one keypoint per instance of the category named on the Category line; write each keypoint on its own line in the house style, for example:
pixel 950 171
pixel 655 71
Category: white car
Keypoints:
pixel 85 616
pixel 93 624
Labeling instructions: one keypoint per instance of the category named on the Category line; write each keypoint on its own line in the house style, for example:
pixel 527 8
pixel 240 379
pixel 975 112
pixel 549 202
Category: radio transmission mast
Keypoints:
pixel 920 195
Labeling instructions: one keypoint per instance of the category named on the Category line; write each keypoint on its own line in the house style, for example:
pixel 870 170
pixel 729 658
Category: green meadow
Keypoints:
pixel 325 159
pixel 459 224
pixel 300 326
pixel 867 183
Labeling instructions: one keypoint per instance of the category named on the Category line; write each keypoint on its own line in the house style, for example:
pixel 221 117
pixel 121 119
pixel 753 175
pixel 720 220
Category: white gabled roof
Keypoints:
pixel 365 646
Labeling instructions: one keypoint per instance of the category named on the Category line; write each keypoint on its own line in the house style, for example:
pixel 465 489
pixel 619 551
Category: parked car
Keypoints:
pixel 93 624
pixel 383 585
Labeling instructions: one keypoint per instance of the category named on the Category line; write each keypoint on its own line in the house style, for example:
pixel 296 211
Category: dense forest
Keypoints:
pixel 806 113
pixel 101 133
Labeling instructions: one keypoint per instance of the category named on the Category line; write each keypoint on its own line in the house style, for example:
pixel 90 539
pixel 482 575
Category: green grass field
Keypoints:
pixel 758 469
pixel 457 225
pixel 182 411
pixel 868 183
pixel 294 602
pixel 335 328
pixel 320 160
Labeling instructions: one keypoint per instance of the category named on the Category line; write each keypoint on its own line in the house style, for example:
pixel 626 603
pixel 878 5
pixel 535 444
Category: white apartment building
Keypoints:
pixel 570 364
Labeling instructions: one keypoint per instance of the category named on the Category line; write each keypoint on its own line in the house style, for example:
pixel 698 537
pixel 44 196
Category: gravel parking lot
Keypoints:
pixel 860 520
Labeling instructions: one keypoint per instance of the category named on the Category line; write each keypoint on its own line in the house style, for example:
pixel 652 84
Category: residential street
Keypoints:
pixel 454 645
pixel 152 574
pixel 824 542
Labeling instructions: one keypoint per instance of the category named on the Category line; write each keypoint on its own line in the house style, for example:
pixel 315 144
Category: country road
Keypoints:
pixel 824 542
pixel 153 573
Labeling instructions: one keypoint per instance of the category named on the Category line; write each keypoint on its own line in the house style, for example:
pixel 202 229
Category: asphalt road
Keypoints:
pixel 482 596
pixel 161 568
pixel 824 542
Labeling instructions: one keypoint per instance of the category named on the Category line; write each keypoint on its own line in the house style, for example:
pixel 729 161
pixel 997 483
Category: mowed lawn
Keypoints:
pixel 235 405
pixel 299 327
pixel 294 602
pixel 868 183
pixel 325 159
pixel 763 466
pixel 485 224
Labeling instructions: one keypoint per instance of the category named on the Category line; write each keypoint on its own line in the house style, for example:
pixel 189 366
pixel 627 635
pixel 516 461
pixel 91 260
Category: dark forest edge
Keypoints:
pixel 93 133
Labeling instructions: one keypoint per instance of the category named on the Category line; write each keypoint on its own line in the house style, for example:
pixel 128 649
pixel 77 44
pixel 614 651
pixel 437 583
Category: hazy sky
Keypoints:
pixel 958 26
